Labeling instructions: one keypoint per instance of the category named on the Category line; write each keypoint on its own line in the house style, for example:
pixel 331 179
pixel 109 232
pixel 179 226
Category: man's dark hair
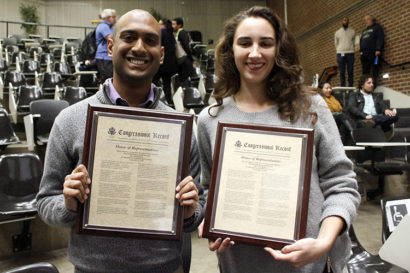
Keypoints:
pixel 168 25
pixel 363 79
pixel 179 21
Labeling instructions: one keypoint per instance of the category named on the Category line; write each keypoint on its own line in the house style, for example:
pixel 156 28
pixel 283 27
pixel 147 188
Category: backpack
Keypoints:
pixel 89 47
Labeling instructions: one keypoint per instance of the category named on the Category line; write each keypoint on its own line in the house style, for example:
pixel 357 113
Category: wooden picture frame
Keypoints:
pixel 135 158
pixel 260 182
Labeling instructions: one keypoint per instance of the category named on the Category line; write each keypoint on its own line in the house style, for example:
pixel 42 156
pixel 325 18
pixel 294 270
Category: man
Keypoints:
pixel 137 54
pixel 169 67
pixel 104 32
pixel 185 69
pixel 367 108
pixel 371 46
pixel 344 43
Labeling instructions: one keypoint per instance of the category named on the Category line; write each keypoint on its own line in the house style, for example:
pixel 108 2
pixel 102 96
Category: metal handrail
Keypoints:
pixel 394 65
pixel 42 25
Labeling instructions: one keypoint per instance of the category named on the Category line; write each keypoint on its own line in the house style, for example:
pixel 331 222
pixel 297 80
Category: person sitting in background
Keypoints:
pixel 367 109
pixel 345 129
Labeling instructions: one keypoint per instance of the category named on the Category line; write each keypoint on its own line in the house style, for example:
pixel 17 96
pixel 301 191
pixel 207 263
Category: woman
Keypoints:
pixel 260 81
pixel 345 129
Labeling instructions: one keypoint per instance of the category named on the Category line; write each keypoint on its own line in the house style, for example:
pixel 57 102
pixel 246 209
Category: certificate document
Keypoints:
pixel 135 161
pixel 258 182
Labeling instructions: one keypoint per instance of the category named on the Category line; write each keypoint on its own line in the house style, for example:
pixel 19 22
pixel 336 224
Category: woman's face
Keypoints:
pixel 327 90
pixel 254 48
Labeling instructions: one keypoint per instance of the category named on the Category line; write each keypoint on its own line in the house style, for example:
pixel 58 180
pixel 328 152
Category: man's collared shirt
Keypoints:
pixel 116 99
pixel 369 107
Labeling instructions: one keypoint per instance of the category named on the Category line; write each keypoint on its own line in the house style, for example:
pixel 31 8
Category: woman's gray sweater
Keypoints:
pixel 333 188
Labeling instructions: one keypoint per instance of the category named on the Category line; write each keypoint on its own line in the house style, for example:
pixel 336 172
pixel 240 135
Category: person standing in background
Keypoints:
pixel 185 69
pixel 104 32
pixel 344 43
pixel 169 67
pixel 371 46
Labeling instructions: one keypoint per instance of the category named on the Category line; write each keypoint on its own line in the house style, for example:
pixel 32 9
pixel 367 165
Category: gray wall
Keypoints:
pixel 9 11
pixel 204 15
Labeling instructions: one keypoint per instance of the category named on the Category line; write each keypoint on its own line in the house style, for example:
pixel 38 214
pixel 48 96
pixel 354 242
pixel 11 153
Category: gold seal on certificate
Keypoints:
pixel 135 158
pixel 260 184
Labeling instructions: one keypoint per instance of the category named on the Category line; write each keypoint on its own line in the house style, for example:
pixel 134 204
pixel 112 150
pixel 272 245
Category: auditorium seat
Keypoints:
pixel 88 80
pixel 175 83
pixel 44 113
pixel 46 57
pixel 16 78
pixel 20 55
pixel 26 94
pixel 376 160
pixel 362 261
pixel 20 176
pixel 33 49
pixel 50 81
pixel 192 98
pixel 30 67
pixel 62 68
pixel 74 94
pixel 7 134
pixel 3 65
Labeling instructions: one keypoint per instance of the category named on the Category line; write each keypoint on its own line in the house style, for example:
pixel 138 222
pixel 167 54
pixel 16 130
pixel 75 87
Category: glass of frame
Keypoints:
pixel 135 159
pixel 260 183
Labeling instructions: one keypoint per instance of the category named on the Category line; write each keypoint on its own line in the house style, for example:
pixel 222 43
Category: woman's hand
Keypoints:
pixel 219 245
pixel 308 250
pixel 302 252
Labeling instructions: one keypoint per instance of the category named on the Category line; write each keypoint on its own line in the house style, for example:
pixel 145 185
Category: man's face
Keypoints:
pixel 111 19
pixel 345 22
pixel 136 48
pixel 368 20
pixel 175 26
pixel 368 86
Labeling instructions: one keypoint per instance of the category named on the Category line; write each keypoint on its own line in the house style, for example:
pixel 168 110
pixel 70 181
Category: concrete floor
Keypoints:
pixel 367 226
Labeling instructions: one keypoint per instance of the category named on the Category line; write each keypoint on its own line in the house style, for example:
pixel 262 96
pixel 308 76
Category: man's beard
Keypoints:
pixel 345 26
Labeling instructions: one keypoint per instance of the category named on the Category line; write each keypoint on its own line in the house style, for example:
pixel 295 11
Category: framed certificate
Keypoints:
pixel 260 184
pixel 135 159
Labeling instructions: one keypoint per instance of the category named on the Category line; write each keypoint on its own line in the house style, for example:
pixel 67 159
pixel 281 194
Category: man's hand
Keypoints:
pixel 76 187
pixel 369 117
pixel 187 195
pixel 389 112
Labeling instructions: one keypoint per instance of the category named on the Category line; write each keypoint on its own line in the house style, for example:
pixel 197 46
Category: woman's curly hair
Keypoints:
pixel 285 85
